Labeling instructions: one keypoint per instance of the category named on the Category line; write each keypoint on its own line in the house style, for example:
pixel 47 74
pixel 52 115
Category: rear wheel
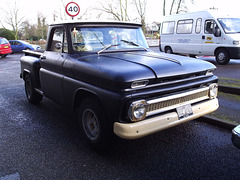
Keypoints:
pixel 32 96
pixel 222 57
pixel 168 50
pixel 96 128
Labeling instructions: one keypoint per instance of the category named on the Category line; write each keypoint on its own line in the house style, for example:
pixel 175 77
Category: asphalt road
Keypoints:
pixel 44 142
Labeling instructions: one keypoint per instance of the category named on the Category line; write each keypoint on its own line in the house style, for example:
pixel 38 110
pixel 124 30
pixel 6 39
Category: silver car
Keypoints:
pixel 236 136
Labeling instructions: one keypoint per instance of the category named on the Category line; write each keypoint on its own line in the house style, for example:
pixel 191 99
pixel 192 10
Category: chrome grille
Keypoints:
pixel 171 102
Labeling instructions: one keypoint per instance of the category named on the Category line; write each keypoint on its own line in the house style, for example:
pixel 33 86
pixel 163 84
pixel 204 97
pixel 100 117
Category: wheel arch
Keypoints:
pixel 83 93
pixel 24 73
pixel 218 48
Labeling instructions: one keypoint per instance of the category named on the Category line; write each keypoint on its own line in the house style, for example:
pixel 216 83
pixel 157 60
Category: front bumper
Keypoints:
pixel 163 121
pixel 236 136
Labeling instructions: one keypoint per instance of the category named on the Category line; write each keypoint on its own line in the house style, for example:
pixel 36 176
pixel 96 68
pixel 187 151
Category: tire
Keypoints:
pixel 192 56
pixel 32 96
pixel 168 50
pixel 222 57
pixel 97 131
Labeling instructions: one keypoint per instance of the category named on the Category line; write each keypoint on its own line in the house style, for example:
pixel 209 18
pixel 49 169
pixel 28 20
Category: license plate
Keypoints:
pixel 6 47
pixel 184 111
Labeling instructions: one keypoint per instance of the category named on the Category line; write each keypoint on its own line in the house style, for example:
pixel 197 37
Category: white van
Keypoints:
pixel 201 33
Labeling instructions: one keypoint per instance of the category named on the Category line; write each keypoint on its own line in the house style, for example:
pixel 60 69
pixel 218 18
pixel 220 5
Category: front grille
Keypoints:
pixel 171 102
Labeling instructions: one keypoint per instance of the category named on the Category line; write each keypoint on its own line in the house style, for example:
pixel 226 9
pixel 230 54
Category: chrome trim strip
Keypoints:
pixel 171 102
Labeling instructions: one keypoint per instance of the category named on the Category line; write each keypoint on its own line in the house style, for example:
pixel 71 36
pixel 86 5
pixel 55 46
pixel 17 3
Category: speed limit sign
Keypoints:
pixel 72 9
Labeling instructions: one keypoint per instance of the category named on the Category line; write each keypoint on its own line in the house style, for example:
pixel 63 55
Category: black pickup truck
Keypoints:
pixel 107 74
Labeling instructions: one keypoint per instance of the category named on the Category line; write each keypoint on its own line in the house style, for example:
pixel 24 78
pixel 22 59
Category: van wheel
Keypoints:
pixel 222 57
pixel 168 50
pixel 94 125
pixel 32 96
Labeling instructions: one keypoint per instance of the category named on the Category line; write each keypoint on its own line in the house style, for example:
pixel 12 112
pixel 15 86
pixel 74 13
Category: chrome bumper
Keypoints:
pixel 163 121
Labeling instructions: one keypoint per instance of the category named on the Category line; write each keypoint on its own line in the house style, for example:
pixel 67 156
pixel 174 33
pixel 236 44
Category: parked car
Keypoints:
pixel 19 45
pixel 5 47
pixel 236 136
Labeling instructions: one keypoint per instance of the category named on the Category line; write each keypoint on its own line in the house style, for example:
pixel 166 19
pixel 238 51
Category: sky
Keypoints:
pixel 30 8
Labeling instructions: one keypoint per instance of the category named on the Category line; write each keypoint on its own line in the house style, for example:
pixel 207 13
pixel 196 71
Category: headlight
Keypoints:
pixel 137 110
pixel 213 90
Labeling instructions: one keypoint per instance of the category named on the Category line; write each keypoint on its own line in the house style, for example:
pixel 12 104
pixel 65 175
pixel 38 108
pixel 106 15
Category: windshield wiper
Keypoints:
pixel 134 44
pixel 107 47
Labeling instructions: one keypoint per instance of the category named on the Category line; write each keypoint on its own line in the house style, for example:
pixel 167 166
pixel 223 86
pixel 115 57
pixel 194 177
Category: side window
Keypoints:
pixel 168 27
pixel 185 26
pixel 59 41
pixel 198 25
pixel 210 26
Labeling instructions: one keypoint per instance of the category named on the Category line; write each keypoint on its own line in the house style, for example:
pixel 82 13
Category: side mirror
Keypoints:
pixel 217 32
pixel 58 46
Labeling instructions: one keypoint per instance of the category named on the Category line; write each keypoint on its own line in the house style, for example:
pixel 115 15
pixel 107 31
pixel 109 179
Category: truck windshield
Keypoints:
pixel 107 38
pixel 230 25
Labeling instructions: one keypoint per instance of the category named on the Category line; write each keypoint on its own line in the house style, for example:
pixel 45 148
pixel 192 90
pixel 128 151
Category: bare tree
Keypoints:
pixel 141 9
pixel 117 9
pixel 42 27
pixel 12 18
pixel 179 6
pixel 164 7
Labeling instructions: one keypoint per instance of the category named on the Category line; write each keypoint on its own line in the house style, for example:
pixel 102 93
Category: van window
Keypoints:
pixel 168 27
pixel 210 26
pixel 198 25
pixel 184 26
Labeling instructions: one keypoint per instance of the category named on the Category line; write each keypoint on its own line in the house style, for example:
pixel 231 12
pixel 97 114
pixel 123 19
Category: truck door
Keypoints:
pixel 51 72
pixel 211 38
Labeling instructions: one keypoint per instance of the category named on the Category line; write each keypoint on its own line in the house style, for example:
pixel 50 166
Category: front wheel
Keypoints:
pixel 222 57
pixel 92 120
pixel 32 96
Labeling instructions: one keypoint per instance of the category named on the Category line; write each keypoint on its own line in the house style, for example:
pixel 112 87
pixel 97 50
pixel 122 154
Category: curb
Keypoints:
pixel 218 122
pixel 228 89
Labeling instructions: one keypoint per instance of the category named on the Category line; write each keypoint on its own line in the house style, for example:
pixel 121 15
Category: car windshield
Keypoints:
pixel 230 25
pixel 3 41
pixel 101 39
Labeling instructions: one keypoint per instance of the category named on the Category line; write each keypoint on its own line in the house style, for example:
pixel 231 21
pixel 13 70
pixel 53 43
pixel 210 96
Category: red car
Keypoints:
pixel 5 47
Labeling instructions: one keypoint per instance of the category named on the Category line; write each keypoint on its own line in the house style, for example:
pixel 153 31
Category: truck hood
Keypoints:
pixel 162 64
pixel 116 69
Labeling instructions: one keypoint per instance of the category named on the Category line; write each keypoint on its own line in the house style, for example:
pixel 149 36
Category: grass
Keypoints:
pixel 229 82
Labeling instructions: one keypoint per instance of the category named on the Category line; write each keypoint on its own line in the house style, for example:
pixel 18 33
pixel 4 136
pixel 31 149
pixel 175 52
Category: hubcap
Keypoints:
pixel 221 56
pixel 90 124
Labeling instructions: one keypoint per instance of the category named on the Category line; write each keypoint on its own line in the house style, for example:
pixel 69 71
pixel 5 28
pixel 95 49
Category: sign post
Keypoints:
pixel 72 9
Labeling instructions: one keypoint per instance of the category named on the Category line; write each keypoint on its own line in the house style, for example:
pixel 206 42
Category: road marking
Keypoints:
pixel 15 176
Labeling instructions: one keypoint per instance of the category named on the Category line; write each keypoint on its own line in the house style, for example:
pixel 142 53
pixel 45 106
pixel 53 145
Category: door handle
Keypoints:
pixel 203 37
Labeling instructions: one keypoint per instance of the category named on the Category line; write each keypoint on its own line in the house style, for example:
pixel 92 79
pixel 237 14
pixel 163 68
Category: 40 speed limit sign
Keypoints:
pixel 72 9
